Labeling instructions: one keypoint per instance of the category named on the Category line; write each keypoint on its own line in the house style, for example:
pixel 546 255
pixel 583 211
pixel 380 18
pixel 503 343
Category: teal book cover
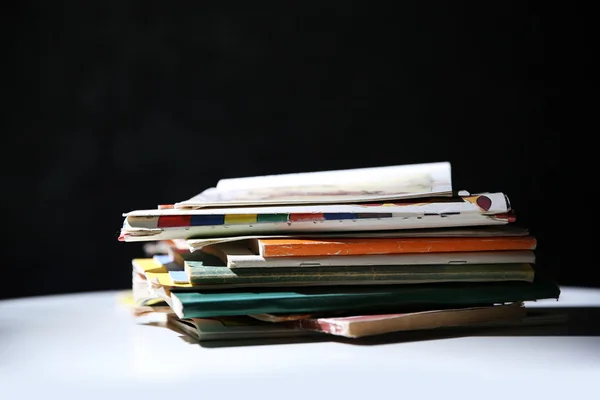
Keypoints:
pixel 206 303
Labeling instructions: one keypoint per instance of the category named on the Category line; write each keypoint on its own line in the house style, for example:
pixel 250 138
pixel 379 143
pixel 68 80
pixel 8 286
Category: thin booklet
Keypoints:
pixel 204 276
pixel 211 303
pixel 337 247
pixel 468 231
pixel 232 328
pixel 242 254
pixel 164 224
pixel 369 325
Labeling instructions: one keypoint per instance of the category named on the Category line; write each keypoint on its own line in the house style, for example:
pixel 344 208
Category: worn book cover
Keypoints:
pixel 233 328
pixel 369 325
pixel 201 275
pixel 207 303
pixel 460 231
pixel 243 254
pixel 268 248
pixel 169 224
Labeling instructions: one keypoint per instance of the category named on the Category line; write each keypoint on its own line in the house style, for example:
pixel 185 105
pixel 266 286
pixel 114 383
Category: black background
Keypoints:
pixel 127 105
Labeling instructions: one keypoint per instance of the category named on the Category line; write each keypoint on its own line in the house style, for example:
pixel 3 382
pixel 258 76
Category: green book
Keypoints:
pixel 203 275
pixel 206 303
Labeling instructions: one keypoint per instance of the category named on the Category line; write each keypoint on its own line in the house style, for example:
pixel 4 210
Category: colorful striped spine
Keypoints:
pixel 260 218
pixel 173 221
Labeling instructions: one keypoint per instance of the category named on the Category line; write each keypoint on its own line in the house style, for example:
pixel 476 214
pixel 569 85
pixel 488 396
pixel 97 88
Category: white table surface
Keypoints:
pixel 86 346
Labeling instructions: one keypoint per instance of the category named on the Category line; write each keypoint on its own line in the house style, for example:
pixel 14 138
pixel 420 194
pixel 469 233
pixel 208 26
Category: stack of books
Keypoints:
pixel 351 253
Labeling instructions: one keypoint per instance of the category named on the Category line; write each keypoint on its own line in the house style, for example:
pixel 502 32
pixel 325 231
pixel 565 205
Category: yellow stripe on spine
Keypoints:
pixel 240 219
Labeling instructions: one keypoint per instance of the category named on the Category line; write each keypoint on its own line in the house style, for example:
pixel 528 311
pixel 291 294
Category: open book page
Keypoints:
pixel 339 186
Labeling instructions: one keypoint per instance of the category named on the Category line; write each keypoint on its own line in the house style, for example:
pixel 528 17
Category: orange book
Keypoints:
pixel 354 246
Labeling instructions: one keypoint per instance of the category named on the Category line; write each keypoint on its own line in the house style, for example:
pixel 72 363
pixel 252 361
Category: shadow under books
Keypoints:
pixel 576 321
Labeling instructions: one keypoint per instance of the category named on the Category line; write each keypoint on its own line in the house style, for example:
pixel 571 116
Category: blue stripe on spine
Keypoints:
pixel 202 220
pixel 329 216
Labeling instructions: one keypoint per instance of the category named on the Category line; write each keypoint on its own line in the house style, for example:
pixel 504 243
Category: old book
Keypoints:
pixel 207 303
pixel 243 328
pixel 368 325
pixel 167 224
pixel 460 231
pixel 201 275
pixel 371 246
pixel 233 328
pixel 239 254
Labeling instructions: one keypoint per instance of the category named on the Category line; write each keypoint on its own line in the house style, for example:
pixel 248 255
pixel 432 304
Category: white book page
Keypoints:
pixel 338 186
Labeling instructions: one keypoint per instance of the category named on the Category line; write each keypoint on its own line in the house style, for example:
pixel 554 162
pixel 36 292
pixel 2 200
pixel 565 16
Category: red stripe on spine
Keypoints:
pixel 306 217
pixel 170 221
